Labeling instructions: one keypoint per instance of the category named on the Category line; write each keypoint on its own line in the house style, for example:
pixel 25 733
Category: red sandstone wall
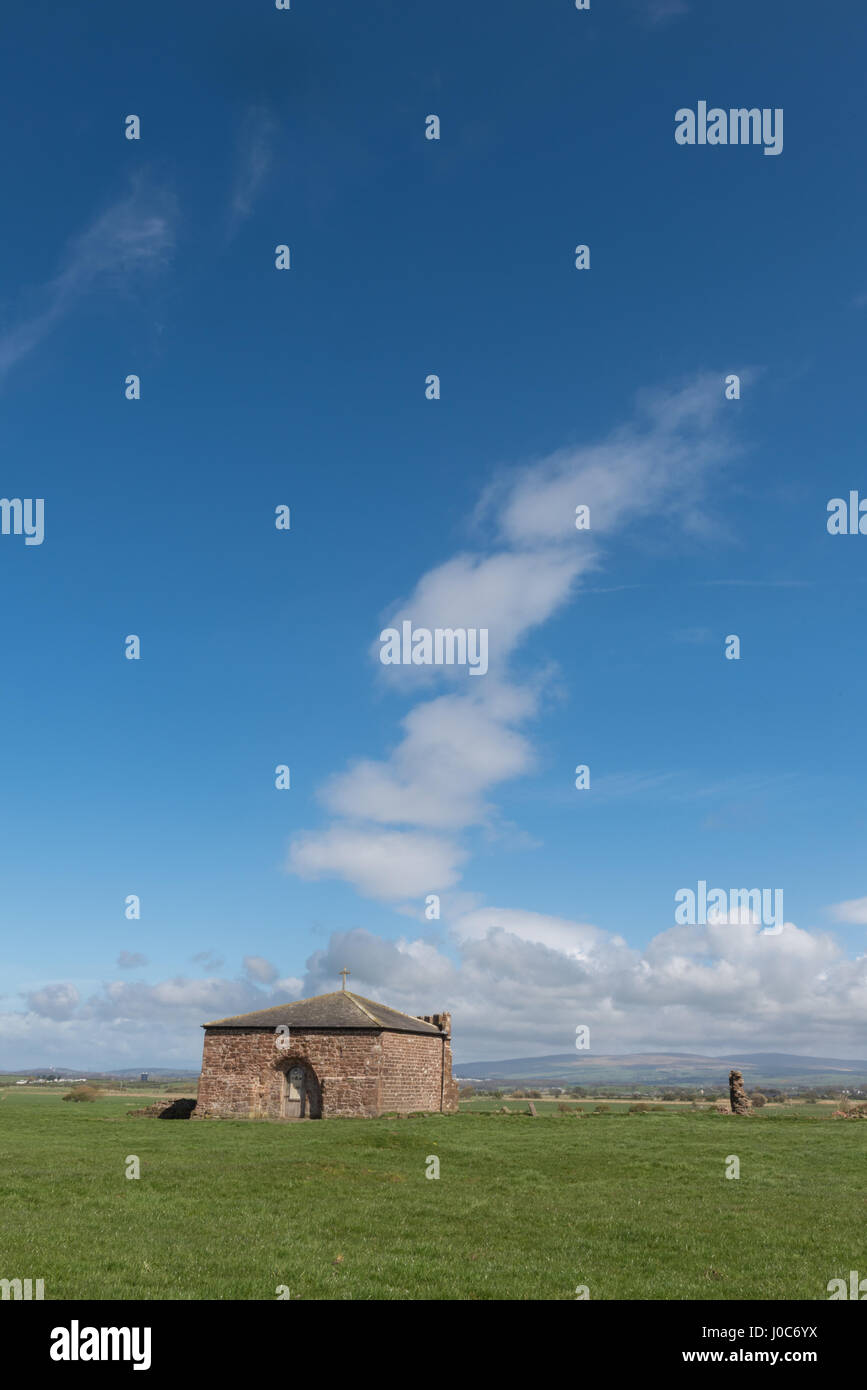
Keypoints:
pixel 359 1073
pixel 242 1071
pixel 450 1086
pixel 411 1071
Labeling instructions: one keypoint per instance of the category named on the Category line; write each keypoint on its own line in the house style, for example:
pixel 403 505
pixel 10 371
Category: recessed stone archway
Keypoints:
pixel 300 1095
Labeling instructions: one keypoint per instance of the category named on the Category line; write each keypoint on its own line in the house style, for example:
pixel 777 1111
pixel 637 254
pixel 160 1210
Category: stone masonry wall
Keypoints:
pixel 450 1086
pixel 359 1072
pixel 411 1071
pixel 242 1071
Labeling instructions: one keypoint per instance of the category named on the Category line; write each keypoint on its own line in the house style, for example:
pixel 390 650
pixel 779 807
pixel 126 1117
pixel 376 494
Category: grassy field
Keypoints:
pixel 633 1206
pixel 518 1105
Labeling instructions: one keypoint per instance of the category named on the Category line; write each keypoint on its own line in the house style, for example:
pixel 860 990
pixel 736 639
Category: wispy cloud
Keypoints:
pixel 661 11
pixel 130 238
pixel 756 583
pixel 208 960
pixel 611 588
pixel 253 159
pixel 616 786
pixel 693 636
pixel 682 787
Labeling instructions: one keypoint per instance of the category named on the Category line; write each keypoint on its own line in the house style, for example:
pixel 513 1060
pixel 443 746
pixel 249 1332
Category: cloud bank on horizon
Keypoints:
pixel 517 982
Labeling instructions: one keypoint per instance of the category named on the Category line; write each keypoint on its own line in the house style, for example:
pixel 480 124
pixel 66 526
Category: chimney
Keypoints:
pixel 441 1021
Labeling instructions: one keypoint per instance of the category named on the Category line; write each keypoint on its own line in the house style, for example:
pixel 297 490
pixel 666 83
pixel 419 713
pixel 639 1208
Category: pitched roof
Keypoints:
pixel 342 1009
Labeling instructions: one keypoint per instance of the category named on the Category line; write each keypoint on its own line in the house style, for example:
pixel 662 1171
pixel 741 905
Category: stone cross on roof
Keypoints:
pixel 344 972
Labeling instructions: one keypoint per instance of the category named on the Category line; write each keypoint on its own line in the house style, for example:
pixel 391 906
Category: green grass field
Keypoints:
pixel 633 1206
pixel 552 1107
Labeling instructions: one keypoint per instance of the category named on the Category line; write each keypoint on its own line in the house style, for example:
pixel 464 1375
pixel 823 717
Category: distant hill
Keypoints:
pixel 667 1068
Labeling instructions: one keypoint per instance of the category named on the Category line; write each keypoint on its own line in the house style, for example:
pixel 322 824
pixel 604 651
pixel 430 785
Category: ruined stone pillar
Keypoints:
pixel 741 1103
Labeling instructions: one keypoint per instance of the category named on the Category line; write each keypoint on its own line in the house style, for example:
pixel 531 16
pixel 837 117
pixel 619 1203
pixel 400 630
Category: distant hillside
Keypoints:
pixel 667 1068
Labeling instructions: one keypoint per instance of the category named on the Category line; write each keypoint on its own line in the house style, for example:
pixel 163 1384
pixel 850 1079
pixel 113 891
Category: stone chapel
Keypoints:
pixel 334 1054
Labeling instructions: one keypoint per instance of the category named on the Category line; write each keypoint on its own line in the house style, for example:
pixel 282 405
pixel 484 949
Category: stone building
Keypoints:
pixel 334 1054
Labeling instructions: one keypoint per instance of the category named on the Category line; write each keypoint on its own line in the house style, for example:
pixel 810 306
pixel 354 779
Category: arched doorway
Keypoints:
pixel 300 1095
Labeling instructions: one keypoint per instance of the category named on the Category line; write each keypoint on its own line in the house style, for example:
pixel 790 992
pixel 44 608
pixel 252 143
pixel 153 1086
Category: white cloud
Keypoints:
pixel 854 911
pixel 385 864
pixel 404 974
pixel 128 1023
pixel 289 988
pixel 572 939
pixel 523 982
pixel 456 748
pixel 516 983
pixel 657 464
pixel 260 970
pixel 508 593
pixel 54 1001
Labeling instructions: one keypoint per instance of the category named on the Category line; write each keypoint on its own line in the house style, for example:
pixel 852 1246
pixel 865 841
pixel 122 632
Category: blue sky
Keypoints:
pixel 306 387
